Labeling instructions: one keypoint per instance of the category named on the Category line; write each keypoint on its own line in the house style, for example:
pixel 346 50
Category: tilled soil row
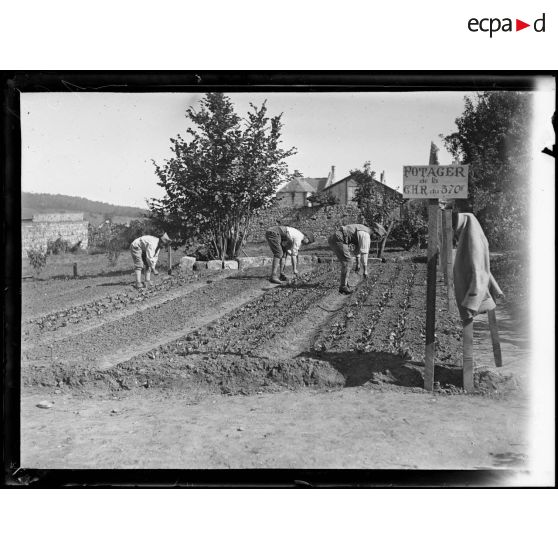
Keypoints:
pixel 109 312
pixel 153 326
pixel 101 306
pixel 47 296
pixel 387 314
pixel 250 329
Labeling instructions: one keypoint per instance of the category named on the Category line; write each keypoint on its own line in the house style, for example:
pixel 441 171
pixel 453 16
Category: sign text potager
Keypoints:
pixel 435 181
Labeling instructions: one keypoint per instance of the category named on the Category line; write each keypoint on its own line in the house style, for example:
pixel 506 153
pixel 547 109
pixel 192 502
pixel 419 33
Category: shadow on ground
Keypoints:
pixel 385 368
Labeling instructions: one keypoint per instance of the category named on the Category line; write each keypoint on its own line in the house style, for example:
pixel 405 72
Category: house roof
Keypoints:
pixel 318 183
pixel 298 184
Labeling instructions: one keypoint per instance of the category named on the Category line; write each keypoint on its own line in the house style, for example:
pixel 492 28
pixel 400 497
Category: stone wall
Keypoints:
pixel 292 199
pixel 56 217
pixel 321 221
pixel 35 234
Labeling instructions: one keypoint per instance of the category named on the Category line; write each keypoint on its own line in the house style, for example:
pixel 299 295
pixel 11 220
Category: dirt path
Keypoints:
pixel 514 344
pixel 349 428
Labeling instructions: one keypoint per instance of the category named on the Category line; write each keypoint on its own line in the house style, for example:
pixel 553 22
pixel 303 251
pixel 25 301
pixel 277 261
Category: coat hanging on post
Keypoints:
pixel 473 282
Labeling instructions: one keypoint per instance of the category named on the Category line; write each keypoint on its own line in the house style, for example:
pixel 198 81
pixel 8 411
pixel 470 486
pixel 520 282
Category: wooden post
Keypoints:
pixel 75 270
pixel 432 256
pixel 468 363
pixel 495 336
pixel 170 260
pixel 449 259
pixel 444 248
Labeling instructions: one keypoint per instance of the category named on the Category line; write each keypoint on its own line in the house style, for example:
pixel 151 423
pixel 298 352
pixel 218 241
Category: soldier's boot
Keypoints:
pixel 138 284
pixel 275 272
pixel 344 285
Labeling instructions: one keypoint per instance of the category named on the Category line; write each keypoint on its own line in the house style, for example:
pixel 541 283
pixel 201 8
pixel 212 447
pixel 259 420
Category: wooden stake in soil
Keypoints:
pixel 495 336
pixel 449 258
pixel 432 257
pixel 468 364
pixel 444 247
pixel 75 270
pixel 170 260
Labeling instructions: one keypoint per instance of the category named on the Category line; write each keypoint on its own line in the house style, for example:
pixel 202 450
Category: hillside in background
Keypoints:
pixel 94 212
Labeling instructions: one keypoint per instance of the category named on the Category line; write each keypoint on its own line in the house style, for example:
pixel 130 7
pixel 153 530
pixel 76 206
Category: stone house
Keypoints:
pixel 299 189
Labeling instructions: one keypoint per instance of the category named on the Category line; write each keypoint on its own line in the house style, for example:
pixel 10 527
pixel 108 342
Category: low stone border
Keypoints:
pixel 188 263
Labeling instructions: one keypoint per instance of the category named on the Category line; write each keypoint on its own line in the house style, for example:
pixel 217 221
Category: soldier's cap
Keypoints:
pixel 165 238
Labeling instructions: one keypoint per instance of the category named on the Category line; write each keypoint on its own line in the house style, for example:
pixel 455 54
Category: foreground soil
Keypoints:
pixel 344 428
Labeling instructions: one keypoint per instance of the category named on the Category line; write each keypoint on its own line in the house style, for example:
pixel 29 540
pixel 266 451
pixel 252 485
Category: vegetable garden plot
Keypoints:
pixel 380 326
pixel 376 328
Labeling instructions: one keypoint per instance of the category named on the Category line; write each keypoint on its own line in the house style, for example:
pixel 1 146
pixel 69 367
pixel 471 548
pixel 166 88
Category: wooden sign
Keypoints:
pixel 435 181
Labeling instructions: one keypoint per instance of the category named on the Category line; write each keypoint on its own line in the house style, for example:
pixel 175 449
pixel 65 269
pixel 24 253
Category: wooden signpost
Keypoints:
pixel 432 182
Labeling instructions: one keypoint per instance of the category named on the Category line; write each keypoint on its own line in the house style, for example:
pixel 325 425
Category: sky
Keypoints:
pixel 101 145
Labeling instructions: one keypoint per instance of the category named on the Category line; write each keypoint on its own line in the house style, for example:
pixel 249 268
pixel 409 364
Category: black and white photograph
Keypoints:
pixel 285 278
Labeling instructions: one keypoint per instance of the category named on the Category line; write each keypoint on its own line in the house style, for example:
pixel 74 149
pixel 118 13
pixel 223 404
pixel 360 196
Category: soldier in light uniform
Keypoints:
pixel 285 241
pixel 358 236
pixel 145 253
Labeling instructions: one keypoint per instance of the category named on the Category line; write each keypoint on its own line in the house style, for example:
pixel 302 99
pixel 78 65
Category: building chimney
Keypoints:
pixel 382 176
pixel 332 174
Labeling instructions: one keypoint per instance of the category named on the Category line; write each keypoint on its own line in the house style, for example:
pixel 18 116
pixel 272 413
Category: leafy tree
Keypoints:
pixel 221 175
pixel 493 138
pixel 375 203
pixel 322 199
pixel 412 230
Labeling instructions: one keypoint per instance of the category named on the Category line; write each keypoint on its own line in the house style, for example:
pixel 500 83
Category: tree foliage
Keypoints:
pixel 493 138
pixel 412 230
pixel 37 259
pixel 375 203
pixel 322 199
pixel 227 169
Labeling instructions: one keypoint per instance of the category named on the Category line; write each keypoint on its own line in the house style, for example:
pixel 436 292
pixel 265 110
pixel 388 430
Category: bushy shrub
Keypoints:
pixel 411 231
pixel 37 259
pixel 58 246
pixel 76 248
pixel 323 199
